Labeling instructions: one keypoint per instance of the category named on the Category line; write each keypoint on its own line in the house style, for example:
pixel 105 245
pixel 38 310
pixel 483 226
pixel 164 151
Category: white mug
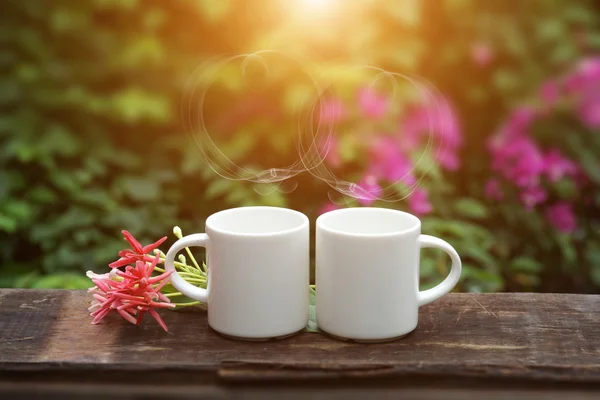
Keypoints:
pixel 367 273
pixel 258 271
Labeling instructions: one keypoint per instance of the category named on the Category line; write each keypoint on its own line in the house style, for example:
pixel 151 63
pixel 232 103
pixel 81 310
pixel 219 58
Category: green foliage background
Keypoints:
pixel 91 139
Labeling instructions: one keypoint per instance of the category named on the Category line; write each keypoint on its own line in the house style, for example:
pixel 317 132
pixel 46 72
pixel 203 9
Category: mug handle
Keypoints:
pixel 427 296
pixel 186 288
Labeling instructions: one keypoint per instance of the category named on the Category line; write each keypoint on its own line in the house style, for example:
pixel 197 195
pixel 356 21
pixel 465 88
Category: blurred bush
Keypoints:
pixel 93 141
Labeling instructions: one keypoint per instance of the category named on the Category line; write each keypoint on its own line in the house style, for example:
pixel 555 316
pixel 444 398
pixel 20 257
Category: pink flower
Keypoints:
pixel 332 110
pixel 589 109
pixel 372 104
pixel 556 166
pixel 327 207
pixel 519 122
pixel 585 76
pixel 493 190
pixel 131 293
pixel 562 217
pixel 448 160
pixel 418 202
pixel 481 54
pixel 389 163
pixel 590 67
pixel 330 150
pixel 549 92
pixel 532 196
pixel 518 159
pixel 137 251
pixel 436 124
pixel 368 190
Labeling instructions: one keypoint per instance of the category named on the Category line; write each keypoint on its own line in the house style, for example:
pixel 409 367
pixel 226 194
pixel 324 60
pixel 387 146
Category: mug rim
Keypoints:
pixel 298 228
pixel 414 228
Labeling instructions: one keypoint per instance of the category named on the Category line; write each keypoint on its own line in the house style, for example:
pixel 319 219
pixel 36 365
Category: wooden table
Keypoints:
pixel 492 345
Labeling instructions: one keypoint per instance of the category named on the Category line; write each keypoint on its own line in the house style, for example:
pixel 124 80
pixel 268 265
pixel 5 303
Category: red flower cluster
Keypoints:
pixel 137 251
pixel 132 296
pixel 132 292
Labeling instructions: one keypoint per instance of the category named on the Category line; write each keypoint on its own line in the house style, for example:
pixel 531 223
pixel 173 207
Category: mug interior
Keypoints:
pixel 257 220
pixel 368 221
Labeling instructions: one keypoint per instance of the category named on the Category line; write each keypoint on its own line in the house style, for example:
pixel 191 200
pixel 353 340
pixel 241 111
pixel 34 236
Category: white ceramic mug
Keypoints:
pixel 258 271
pixel 367 273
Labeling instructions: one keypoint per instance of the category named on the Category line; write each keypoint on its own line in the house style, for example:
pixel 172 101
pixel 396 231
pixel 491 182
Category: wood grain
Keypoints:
pixel 496 339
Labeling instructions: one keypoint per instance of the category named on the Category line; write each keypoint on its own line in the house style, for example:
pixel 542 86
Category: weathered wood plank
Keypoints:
pixel 330 392
pixel 503 337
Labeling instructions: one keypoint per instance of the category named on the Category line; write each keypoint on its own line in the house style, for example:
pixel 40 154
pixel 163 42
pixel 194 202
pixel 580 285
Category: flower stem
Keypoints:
pixel 189 252
pixel 191 275
pixel 174 294
pixel 191 303
pixel 195 280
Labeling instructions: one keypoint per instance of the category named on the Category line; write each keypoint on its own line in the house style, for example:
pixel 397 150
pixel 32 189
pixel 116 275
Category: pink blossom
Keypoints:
pixel 518 159
pixel 418 202
pixel 132 294
pixel 585 76
pixel 493 190
pixel 436 124
pixel 330 150
pixel 389 163
pixel 372 104
pixel 367 190
pixel 327 207
pixel 332 110
pixel 590 67
pixel 448 160
pixel 549 92
pixel 137 251
pixel 481 53
pixel 556 166
pixel 562 217
pixel 589 109
pixel 519 122
pixel 532 196
pixel 437 118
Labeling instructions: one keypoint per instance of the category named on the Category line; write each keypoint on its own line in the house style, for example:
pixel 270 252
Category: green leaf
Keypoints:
pixel 141 189
pixel 274 199
pixel 407 12
pixel 18 209
pixel 477 253
pixel 445 228
pixel 42 195
pixel 567 249
pixel 135 105
pixel 427 269
pixel 505 80
pixel 551 29
pixel 7 224
pixel 26 280
pixel 471 208
pixel 591 165
pixel 479 280
pixel 11 273
pixel 298 97
pixel 218 188
pixel 347 149
pixel 593 259
pixel 527 265
pixel 566 189
pixel 214 11
pixel 424 163
pixel 62 281
pixel 312 314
